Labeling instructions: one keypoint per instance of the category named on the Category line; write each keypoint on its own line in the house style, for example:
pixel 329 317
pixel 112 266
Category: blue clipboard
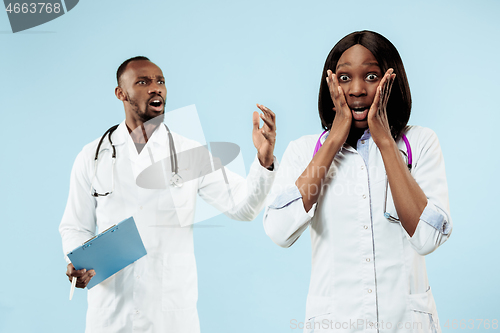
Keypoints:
pixel 110 251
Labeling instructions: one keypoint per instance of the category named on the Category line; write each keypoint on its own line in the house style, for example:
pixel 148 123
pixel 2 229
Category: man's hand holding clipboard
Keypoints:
pixel 105 254
pixel 82 276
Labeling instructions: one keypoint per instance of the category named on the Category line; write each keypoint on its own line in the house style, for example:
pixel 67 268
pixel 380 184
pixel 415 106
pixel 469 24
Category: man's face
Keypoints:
pixel 144 90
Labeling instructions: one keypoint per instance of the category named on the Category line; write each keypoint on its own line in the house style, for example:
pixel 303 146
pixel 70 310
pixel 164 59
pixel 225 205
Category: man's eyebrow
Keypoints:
pixel 149 77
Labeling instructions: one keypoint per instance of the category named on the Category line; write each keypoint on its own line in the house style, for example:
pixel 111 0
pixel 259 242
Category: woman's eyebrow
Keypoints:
pixel 344 64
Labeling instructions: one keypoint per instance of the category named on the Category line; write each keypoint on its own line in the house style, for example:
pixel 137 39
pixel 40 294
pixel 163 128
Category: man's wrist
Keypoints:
pixel 266 162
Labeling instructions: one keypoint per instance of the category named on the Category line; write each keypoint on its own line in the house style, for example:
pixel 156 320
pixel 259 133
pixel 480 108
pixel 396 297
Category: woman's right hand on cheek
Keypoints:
pixel 312 178
pixel 343 117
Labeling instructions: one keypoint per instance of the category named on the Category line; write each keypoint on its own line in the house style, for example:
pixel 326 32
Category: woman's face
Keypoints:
pixel 359 75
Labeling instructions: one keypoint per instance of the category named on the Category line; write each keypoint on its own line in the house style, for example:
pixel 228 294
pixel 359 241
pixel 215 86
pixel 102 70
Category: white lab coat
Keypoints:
pixel 366 270
pixel 157 293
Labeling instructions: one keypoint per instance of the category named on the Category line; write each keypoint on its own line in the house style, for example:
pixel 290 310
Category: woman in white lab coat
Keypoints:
pixel 376 205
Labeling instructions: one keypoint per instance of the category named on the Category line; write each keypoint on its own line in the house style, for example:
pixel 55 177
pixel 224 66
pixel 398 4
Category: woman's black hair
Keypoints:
pixel 399 104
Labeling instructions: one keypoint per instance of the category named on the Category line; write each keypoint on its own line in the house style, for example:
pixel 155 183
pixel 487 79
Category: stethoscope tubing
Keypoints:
pixel 403 136
pixel 409 165
pixel 173 161
pixel 176 179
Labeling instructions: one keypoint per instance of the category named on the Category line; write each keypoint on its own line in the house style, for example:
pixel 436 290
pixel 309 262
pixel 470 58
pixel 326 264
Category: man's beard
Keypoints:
pixel 155 120
pixel 143 116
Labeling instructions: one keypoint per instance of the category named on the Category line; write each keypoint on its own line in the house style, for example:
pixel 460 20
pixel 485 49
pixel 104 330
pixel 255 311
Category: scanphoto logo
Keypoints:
pixel 26 14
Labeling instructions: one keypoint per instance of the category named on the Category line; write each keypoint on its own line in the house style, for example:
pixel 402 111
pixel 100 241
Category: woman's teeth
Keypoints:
pixel 359 110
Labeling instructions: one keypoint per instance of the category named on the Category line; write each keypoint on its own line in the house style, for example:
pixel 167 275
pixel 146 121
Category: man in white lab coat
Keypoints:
pixel 157 293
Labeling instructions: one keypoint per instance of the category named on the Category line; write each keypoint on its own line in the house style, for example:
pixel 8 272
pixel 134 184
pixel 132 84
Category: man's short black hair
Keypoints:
pixel 123 66
pixel 399 105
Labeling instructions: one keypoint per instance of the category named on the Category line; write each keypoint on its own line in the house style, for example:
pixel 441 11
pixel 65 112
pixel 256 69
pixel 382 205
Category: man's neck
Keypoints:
pixel 141 132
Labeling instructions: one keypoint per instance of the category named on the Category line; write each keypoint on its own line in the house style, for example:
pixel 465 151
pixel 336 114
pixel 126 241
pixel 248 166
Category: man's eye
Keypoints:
pixel 371 77
pixel 343 77
pixel 141 82
pixel 161 82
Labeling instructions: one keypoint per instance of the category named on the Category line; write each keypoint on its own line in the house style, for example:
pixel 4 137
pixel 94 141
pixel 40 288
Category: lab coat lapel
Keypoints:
pixel 155 150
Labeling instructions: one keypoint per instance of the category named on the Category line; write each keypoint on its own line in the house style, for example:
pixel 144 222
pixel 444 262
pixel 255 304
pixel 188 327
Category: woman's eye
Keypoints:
pixel 371 77
pixel 343 77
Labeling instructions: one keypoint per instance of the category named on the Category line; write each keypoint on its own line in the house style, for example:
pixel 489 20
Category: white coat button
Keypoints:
pixel 137 277
pixel 362 142
pixel 369 290
pixel 367 259
pixel 365 226
pixel 137 311
pixel 364 196
pixel 140 207
pixel 362 167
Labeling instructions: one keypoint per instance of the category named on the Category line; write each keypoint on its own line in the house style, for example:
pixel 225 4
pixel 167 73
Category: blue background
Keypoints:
pixel 57 94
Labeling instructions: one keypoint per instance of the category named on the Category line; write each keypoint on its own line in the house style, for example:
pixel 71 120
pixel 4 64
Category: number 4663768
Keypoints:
pixel 472 324
pixel 33 8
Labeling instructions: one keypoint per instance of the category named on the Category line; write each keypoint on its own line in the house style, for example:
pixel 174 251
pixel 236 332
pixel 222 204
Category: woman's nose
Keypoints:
pixel 357 88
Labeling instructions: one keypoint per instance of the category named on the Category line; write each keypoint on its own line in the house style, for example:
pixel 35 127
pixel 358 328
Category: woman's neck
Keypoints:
pixel 354 135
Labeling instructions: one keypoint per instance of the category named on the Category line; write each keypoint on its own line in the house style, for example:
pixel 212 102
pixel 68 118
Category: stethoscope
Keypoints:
pixel 176 179
pixel 409 163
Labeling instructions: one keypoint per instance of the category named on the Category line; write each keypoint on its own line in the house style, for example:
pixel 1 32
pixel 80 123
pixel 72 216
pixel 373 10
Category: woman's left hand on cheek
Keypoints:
pixel 377 115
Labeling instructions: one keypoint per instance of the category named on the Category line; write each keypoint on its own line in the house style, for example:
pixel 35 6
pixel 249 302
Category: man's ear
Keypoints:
pixel 120 94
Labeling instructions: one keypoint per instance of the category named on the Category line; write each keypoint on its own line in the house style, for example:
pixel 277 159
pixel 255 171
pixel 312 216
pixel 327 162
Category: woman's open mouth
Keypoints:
pixel 360 113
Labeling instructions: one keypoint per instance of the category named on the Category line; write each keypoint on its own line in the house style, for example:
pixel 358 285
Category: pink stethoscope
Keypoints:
pixel 408 155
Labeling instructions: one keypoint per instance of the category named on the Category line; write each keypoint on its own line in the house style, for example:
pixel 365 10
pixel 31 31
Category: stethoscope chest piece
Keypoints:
pixel 176 180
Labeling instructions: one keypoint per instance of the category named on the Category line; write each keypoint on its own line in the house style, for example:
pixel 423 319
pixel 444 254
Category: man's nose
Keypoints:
pixel 357 88
pixel 156 88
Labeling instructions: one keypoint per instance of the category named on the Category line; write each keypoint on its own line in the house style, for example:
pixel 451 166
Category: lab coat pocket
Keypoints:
pixel 178 203
pixel 101 303
pixel 318 314
pixel 319 323
pixel 173 198
pixel 423 313
pixel 180 284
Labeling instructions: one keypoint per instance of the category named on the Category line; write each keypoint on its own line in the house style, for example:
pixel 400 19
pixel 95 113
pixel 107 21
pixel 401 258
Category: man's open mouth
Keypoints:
pixel 156 103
